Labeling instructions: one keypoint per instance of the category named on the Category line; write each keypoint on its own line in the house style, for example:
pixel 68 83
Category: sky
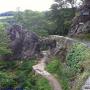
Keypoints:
pixel 35 5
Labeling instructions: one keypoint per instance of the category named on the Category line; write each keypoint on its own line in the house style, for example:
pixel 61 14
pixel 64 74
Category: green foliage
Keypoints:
pixel 42 84
pixel 62 19
pixel 7 65
pixel 41 32
pixel 53 66
pixel 19 74
pixel 26 79
pixel 77 54
pixel 83 37
pixel 3 40
pixel 78 64
pixel 57 68
pixel 60 15
pixel 34 21
pixel 63 11
pixel 26 65
pixel 6 80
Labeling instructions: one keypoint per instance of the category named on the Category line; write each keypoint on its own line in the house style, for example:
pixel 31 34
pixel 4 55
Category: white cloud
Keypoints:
pixel 37 5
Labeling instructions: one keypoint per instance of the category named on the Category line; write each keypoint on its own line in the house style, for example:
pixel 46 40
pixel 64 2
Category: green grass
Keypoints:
pixel 43 84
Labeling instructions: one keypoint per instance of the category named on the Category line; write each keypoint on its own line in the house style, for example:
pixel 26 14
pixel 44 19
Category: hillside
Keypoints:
pixel 45 50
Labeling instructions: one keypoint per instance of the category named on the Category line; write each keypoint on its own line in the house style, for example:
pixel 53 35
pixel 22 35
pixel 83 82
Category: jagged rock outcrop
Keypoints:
pixel 81 23
pixel 81 28
pixel 26 44
pixel 63 44
pixel 23 43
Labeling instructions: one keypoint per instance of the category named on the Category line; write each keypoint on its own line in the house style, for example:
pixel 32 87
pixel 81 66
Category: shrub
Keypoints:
pixel 7 65
pixel 53 66
pixel 28 80
pixel 77 54
pixel 6 80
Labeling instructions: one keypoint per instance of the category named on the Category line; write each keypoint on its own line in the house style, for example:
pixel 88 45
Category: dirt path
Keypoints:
pixel 40 69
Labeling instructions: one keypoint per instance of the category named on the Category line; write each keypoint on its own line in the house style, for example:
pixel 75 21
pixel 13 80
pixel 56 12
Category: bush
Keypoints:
pixel 17 75
pixel 53 66
pixel 27 79
pixel 6 80
pixel 42 33
pixel 7 65
pixel 77 54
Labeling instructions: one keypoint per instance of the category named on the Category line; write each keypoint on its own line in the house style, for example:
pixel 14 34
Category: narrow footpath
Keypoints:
pixel 40 69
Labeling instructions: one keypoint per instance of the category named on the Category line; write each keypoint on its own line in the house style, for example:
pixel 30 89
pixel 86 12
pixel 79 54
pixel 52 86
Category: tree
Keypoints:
pixel 73 4
pixel 61 15
pixel 33 20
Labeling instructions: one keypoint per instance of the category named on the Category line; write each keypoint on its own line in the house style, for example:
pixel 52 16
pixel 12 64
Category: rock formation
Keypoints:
pixel 63 44
pixel 23 43
pixel 81 23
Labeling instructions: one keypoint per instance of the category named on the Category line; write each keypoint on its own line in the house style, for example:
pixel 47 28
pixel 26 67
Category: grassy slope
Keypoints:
pixel 71 74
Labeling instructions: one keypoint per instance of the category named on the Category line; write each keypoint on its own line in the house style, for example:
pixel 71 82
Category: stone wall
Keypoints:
pixel 63 42
pixel 63 45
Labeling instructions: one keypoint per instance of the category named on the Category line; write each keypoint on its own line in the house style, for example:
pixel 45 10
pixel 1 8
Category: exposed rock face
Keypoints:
pixel 81 28
pixel 81 23
pixel 63 44
pixel 24 44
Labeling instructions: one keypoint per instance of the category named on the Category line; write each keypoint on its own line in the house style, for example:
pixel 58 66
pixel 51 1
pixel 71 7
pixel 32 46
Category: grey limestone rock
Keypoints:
pixel 23 43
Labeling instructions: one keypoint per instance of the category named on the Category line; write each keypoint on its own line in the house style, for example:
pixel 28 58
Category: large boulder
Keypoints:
pixel 63 45
pixel 23 43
